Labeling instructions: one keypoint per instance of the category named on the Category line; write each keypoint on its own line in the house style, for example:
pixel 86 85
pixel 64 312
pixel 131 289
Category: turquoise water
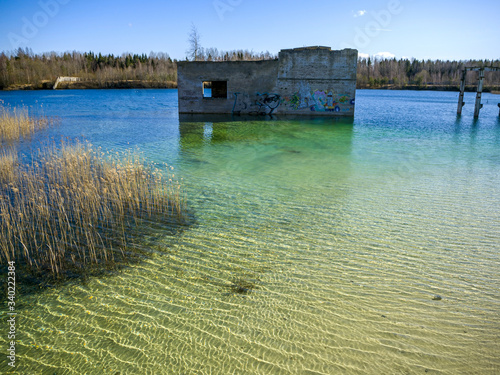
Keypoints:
pixel 339 234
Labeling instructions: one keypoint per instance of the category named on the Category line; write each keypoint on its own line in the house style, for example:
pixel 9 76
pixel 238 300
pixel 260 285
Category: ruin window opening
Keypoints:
pixel 215 89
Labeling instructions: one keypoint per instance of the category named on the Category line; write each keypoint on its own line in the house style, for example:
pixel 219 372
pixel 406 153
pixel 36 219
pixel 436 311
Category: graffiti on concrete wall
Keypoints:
pixel 318 100
pixel 303 99
pixel 268 102
pixel 258 104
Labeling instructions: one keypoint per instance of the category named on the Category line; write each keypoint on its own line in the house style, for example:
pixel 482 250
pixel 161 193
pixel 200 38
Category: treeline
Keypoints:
pixel 23 69
pixel 213 54
pixel 421 74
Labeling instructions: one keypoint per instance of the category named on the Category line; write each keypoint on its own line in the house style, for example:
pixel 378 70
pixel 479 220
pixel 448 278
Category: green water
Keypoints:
pixel 317 248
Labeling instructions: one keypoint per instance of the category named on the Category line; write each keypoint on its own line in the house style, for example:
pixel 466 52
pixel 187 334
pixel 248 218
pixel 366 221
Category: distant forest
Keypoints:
pixel 25 70
pixel 423 74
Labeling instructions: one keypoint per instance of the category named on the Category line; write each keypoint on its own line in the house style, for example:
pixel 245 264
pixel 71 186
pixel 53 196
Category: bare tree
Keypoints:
pixel 194 44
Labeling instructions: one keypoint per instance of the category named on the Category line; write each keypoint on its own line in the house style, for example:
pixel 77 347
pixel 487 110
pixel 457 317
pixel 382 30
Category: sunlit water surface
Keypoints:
pixel 319 246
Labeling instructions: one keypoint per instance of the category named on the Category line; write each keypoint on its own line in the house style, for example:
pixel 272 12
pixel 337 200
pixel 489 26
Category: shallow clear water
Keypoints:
pixel 345 231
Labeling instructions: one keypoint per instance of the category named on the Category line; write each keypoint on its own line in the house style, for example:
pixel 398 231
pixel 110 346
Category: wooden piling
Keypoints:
pixel 461 102
pixel 478 105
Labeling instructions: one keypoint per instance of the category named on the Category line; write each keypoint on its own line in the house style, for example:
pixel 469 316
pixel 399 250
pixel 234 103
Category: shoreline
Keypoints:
pixel 456 88
pixel 138 84
pixel 83 85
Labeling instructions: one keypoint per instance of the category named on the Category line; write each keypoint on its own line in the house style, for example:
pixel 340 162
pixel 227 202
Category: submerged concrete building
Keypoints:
pixel 302 81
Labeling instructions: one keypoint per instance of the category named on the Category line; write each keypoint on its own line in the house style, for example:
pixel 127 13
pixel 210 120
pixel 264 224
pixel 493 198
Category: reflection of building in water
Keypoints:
pixel 272 153
pixel 201 131
pixel 310 80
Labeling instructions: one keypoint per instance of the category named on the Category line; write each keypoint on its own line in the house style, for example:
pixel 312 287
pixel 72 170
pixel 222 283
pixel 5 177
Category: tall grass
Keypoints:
pixel 17 123
pixel 77 207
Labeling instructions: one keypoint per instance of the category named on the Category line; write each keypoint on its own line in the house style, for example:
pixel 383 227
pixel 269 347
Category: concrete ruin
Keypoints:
pixel 314 81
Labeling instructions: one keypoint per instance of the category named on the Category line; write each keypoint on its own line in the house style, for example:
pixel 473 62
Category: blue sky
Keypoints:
pixel 438 29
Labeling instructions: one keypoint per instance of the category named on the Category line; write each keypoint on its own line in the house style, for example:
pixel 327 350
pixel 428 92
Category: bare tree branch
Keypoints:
pixel 195 49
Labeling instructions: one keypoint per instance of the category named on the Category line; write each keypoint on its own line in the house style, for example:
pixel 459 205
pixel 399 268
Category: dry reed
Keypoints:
pixel 77 207
pixel 17 123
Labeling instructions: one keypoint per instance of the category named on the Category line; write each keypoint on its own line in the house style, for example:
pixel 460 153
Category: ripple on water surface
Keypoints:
pixel 317 249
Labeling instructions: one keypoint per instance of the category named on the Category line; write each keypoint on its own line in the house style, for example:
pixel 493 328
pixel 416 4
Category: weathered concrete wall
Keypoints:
pixel 317 80
pixel 303 81
pixel 243 78
pixel 65 79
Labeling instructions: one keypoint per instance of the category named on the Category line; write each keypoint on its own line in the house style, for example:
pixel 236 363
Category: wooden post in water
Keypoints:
pixel 461 102
pixel 478 105
pixel 498 109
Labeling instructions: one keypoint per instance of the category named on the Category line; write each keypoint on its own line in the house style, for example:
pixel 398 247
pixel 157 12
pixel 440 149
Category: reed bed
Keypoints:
pixel 17 123
pixel 77 207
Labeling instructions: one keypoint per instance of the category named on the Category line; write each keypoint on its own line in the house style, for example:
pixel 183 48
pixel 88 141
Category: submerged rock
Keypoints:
pixel 241 286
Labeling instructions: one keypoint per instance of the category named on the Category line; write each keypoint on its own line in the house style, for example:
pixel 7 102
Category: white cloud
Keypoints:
pixel 384 55
pixel 360 13
pixel 378 55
